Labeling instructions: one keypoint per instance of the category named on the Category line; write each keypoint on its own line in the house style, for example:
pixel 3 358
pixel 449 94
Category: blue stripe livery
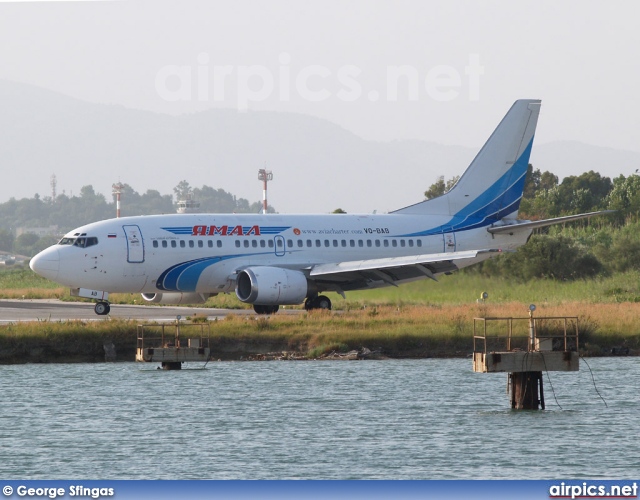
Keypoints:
pixel 498 201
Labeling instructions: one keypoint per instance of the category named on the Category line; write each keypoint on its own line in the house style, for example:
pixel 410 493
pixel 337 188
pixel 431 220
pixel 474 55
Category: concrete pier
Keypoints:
pixel 507 345
pixel 162 344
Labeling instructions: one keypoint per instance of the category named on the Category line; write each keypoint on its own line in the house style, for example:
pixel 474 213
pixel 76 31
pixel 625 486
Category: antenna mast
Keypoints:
pixel 117 190
pixel 264 176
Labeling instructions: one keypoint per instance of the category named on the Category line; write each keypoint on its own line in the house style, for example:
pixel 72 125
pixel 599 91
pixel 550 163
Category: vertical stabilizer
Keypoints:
pixel 491 187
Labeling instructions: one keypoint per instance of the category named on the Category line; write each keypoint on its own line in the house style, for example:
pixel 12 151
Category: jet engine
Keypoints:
pixel 265 285
pixel 176 298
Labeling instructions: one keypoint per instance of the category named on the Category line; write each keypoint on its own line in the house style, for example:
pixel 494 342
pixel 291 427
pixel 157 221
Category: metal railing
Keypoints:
pixel 156 335
pixel 558 333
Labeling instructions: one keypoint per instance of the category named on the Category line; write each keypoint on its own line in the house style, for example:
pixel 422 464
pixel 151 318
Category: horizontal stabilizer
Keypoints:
pixel 517 225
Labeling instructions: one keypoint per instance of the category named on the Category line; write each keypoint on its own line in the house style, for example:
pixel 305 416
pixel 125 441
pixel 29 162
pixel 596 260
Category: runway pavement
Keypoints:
pixel 55 310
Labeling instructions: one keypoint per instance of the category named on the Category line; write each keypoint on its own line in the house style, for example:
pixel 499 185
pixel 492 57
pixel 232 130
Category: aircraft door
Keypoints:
pixel 279 245
pixel 135 244
pixel 449 239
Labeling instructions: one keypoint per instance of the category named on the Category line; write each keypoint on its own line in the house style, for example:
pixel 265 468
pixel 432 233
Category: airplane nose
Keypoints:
pixel 46 263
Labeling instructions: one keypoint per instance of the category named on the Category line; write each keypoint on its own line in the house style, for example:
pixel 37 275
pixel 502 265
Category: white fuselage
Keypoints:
pixel 202 252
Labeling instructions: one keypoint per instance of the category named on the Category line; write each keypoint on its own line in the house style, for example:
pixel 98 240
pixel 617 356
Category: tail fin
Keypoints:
pixel 491 187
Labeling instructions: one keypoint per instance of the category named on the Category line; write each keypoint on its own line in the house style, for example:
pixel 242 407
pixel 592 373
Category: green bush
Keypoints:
pixel 551 257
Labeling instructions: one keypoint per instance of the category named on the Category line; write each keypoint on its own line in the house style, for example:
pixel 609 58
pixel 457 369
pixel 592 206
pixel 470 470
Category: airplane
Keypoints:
pixel 271 260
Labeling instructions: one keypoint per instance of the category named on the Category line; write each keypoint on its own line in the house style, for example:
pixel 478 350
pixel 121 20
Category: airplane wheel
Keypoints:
pixel 102 308
pixel 320 302
pixel 323 302
pixel 273 309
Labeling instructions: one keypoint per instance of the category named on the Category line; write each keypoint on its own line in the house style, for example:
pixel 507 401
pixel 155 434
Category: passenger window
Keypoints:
pixel 200 243
pixel 164 243
pixel 377 243
pixel 326 243
pixel 262 244
pixel 219 243
pixel 394 243
pixel 401 243
pixel 386 243
pixel 419 243
pixel 289 243
pixel 343 243
pixel 191 244
pixel 352 243
pixel 210 243
pixel 237 243
pixel 270 243
pixel 300 243
pixel 410 243
pixel 309 243
pixel 318 243
pixel 155 243
pixel 369 243
pixel 246 243
pixel 173 244
pixel 254 243
pixel 335 243
pixel 182 244
pixel 279 243
pixel 360 243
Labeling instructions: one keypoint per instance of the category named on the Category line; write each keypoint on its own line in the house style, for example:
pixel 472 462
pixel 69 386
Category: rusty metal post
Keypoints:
pixel 524 391
pixel 532 329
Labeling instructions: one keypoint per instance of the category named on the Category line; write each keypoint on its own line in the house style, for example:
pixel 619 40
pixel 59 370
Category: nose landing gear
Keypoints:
pixel 102 308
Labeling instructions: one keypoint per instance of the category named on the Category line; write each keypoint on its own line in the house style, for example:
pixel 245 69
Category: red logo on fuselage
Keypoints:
pixel 226 231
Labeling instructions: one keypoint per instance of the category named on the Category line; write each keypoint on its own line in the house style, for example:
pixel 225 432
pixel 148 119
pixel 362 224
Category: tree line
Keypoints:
pixel 545 197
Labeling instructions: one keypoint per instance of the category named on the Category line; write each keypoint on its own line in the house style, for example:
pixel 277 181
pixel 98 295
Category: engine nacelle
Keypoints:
pixel 271 286
pixel 177 298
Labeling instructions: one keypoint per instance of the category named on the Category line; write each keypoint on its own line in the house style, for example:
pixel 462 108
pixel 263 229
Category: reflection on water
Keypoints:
pixel 409 419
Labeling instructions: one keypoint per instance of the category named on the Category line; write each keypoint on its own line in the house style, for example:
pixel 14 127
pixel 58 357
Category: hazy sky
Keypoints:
pixel 443 71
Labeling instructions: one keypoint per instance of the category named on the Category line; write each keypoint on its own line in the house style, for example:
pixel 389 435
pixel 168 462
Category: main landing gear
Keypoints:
pixel 265 309
pixel 102 308
pixel 318 302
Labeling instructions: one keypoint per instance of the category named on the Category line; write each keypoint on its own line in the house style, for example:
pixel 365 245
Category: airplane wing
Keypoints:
pixel 512 226
pixel 354 274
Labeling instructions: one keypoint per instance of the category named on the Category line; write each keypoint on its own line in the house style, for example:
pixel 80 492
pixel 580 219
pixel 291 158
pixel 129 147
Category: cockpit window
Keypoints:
pixel 87 242
pixel 82 242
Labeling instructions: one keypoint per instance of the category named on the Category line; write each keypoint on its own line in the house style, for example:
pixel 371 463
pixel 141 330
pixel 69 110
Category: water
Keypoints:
pixel 400 419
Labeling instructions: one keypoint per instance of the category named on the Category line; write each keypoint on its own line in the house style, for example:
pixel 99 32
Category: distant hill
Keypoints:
pixel 318 166
pixel 565 158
